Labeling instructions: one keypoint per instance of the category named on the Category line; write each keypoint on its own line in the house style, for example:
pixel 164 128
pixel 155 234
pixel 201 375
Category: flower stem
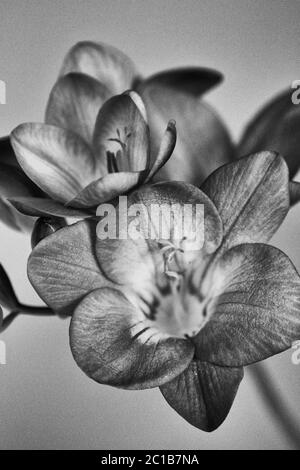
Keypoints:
pixel 25 310
pixel 33 310
pixel 285 417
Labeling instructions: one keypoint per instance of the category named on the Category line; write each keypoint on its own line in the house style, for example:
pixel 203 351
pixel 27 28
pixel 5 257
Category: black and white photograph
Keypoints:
pixel 149 228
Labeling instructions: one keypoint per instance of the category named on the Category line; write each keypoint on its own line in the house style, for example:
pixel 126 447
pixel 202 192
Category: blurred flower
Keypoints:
pixel 147 315
pixel 276 127
pixel 78 174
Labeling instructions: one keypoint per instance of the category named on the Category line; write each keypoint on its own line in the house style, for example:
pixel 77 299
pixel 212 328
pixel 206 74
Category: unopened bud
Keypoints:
pixel 45 226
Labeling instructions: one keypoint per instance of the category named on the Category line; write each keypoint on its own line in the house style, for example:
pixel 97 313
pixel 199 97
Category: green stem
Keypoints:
pixel 285 417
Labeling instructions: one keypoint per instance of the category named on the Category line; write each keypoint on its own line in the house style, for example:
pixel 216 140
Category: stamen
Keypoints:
pixel 168 246
pixel 121 141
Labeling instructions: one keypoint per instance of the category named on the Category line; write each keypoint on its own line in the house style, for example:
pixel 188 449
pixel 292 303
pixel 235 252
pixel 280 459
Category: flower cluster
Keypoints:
pixel 153 313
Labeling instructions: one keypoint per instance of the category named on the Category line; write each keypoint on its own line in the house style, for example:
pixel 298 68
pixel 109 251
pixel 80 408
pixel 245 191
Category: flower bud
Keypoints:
pixel 45 226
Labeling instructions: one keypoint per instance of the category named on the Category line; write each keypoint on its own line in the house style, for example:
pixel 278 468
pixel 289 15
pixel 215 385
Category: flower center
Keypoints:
pixel 174 307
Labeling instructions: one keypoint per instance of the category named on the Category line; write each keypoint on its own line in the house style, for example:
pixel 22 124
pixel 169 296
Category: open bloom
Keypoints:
pixel 203 142
pixel 91 74
pixel 147 313
pixel 77 175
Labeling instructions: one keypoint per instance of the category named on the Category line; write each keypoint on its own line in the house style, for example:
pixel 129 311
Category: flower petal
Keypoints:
pixel 254 311
pixel 251 196
pixel 113 344
pixel 276 127
pixel 103 62
pixel 121 123
pixel 194 81
pixel 57 160
pixel 40 207
pixel 165 150
pixel 203 143
pixel 63 269
pixel 107 188
pixel 203 394
pixel 74 104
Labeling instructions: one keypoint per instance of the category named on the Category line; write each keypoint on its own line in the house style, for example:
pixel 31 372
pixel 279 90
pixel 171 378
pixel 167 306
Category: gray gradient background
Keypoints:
pixel 46 402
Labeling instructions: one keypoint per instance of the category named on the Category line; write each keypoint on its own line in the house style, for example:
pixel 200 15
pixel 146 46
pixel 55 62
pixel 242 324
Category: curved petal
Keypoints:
pixel 103 62
pixel 276 127
pixel 194 81
pixel 165 151
pixel 113 343
pixel 57 160
pixel 74 104
pixel 63 269
pixel 107 188
pixel 254 310
pixel 203 143
pixel 38 207
pixel 121 128
pixel 251 196
pixel 12 219
pixel 203 394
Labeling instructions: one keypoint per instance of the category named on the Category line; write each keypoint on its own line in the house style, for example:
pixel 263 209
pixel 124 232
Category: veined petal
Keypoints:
pixel 113 344
pixel 103 62
pixel 57 160
pixel 122 129
pixel 203 143
pixel 251 196
pixel 40 207
pixel 276 127
pixel 165 151
pixel 107 188
pixel 74 104
pixel 203 394
pixel 254 308
pixel 63 269
pixel 196 212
